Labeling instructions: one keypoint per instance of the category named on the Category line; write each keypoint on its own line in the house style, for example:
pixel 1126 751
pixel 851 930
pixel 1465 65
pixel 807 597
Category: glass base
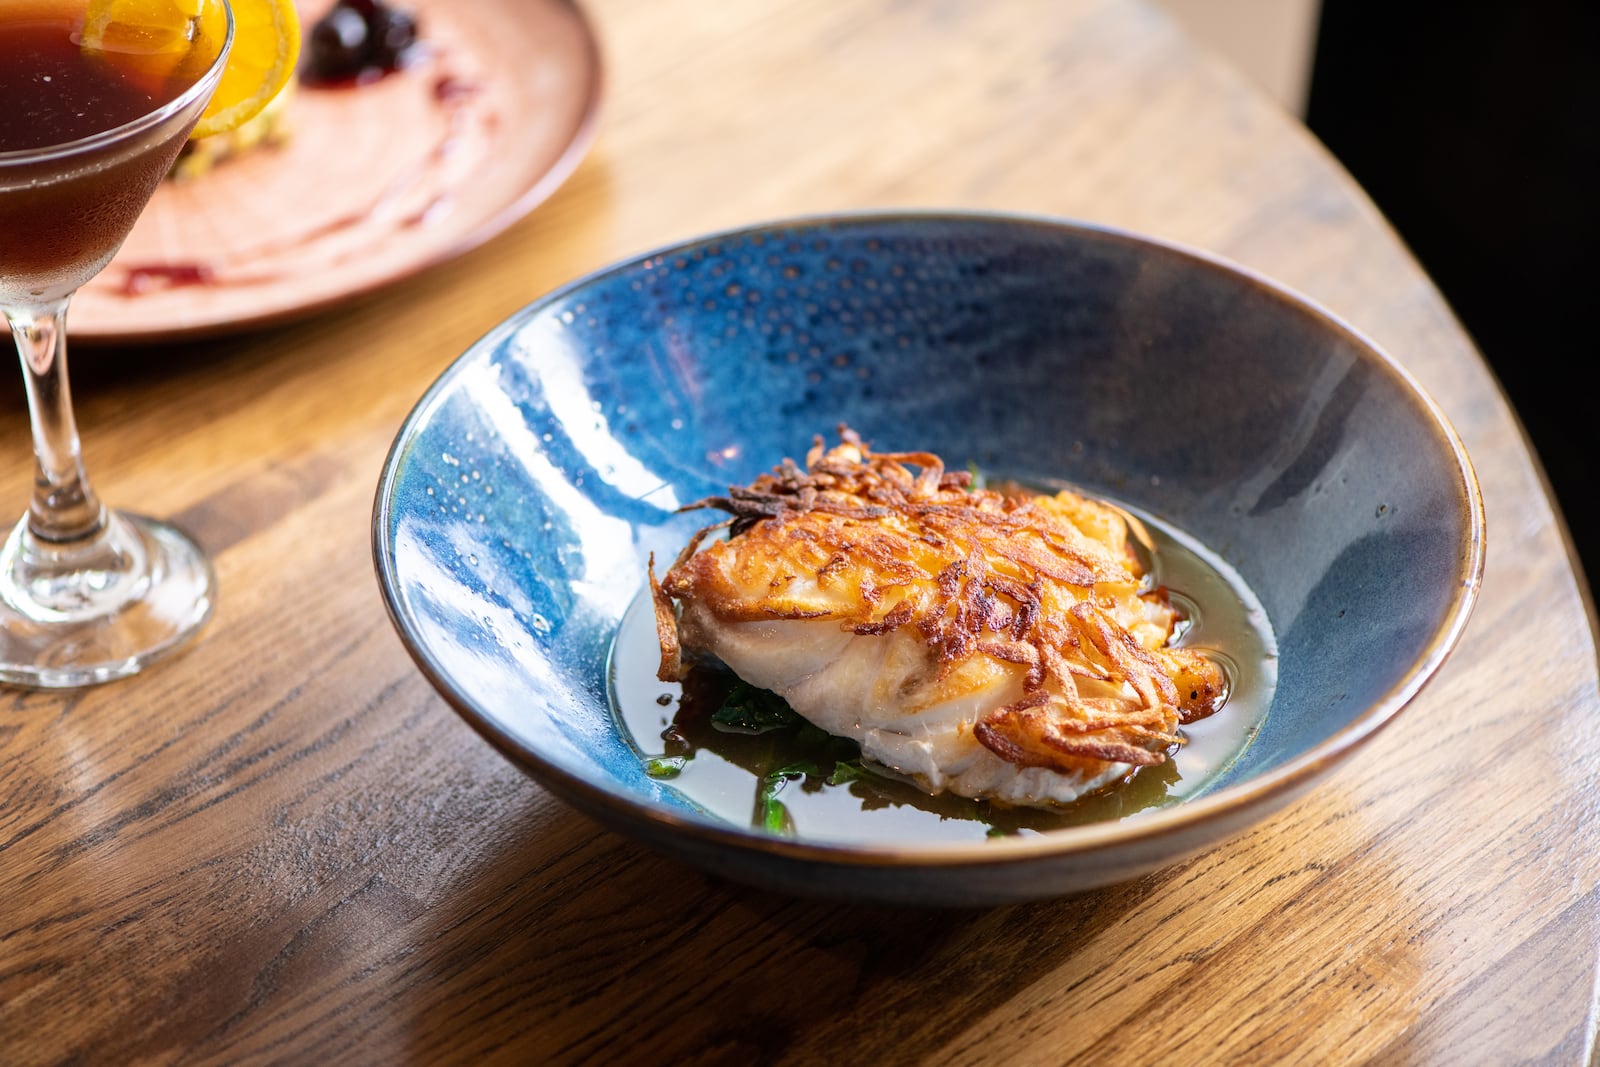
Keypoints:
pixel 84 613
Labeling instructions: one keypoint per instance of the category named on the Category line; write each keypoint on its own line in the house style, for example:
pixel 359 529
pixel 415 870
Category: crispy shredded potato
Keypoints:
pixel 888 600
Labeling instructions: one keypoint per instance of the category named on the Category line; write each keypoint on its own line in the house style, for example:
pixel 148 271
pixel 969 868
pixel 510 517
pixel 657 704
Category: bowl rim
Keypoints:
pixel 1278 784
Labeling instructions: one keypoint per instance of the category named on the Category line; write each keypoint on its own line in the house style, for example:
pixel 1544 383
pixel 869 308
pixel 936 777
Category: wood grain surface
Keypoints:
pixel 282 846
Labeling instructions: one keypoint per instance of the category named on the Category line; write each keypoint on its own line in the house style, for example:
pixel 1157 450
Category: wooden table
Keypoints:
pixel 283 846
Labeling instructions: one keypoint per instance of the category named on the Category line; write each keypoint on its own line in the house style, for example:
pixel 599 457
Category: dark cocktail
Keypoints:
pixel 89 124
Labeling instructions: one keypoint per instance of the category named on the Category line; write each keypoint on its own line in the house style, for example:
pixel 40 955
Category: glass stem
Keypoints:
pixel 64 509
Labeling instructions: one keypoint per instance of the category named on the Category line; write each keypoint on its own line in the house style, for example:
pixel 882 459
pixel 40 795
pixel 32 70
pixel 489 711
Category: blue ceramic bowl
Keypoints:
pixel 525 491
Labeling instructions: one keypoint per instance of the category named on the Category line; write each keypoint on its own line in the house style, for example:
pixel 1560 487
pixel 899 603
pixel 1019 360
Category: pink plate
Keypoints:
pixel 375 182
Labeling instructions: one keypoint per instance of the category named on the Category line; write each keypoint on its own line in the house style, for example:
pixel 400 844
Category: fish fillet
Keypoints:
pixel 997 645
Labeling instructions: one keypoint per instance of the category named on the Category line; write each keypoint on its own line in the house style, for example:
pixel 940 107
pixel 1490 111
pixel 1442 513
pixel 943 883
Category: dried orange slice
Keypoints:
pixel 266 46
pixel 146 38
pixel 163 38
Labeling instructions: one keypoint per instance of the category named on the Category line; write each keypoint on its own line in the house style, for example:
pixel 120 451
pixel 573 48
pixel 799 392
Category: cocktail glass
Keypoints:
pixel 87 594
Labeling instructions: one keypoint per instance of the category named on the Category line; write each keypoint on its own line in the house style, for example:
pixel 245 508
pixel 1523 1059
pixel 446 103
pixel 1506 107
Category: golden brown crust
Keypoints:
pixel 1048 584
pixel 671 669
pixel 1027 735
pixel 1202 686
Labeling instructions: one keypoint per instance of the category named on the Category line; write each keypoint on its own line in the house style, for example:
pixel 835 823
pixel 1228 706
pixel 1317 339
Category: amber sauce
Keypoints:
pixel 724 775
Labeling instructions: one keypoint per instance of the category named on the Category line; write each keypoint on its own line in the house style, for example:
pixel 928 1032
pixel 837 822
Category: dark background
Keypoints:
pixel 1473 125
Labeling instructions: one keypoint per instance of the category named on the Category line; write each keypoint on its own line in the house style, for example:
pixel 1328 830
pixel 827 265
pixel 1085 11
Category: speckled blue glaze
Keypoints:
pixel 526 491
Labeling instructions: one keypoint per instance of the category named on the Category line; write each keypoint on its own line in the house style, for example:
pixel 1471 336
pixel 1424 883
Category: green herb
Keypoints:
pixel 773 815
pixel 775 818
pixel 979 481
pixel 795 769
pixel 850 770
pixel 748 710
pixel 664 766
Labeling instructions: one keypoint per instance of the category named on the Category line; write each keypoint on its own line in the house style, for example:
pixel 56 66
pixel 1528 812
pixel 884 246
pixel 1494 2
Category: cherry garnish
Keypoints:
pixel 358 41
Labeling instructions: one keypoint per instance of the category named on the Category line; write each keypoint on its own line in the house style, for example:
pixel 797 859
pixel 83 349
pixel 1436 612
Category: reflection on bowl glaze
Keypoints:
pixel 526 490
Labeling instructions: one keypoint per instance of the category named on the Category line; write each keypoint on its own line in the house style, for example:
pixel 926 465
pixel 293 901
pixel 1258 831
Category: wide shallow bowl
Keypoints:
pixel 526 490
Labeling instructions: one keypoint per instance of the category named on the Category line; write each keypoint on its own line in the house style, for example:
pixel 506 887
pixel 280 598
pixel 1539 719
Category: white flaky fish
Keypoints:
pixel 996 645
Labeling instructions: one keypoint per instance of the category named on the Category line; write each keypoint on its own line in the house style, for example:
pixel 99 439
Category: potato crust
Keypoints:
pixel 892 545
